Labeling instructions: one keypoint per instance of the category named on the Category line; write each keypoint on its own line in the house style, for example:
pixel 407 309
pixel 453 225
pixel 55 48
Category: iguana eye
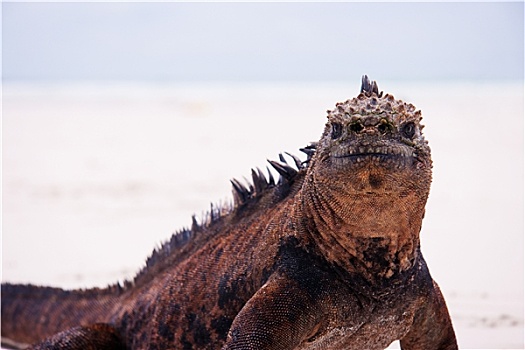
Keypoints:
pixel 337 130
pixel 408 130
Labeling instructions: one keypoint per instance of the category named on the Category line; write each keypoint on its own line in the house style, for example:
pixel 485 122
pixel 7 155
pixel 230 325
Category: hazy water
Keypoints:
pixel 95 176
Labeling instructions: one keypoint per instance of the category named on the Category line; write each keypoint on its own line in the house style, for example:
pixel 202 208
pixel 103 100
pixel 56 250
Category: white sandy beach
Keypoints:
pixel 95 176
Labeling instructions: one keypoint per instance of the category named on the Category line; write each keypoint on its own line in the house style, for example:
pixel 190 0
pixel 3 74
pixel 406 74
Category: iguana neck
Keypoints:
pixel 373 234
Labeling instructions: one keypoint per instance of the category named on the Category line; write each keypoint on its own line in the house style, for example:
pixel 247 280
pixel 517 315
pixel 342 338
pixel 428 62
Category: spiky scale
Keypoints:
pixel 297 161
pixel 309 150
pixel 259 182
pixel 194 223
pixel 271 180
pixel 263 179
pixel 240 193
pixel 286 171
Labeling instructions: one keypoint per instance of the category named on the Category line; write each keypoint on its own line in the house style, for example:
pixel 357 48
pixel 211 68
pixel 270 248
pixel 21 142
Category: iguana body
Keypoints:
pixel 328 258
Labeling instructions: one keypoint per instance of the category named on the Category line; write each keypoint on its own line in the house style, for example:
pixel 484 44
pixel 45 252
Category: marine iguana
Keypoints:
pixel 327 257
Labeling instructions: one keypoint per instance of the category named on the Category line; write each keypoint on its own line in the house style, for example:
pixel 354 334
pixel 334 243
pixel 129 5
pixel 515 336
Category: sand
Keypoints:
pixel 95 176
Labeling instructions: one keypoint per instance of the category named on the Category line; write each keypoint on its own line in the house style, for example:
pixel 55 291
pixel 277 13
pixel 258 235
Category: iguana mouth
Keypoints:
pixel 371 151
pixel 377 156
pixel 382 154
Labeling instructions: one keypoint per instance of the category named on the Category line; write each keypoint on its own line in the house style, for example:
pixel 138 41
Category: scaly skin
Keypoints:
pixel 328 258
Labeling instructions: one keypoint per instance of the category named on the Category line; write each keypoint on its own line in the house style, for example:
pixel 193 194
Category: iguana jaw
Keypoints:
pixel 393 170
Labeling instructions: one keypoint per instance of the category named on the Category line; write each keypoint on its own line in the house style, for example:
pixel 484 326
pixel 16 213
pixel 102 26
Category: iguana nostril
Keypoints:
pixel 383 128
pixel 356 127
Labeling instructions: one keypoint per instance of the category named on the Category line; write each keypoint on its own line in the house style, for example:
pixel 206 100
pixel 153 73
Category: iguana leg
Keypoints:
pixel 98 336
pixel 279 316
pixel 432 327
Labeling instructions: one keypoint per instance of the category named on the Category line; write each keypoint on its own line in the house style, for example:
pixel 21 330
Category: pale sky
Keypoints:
pixel 261 41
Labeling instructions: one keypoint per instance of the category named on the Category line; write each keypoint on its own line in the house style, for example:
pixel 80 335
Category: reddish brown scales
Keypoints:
pixel 327 257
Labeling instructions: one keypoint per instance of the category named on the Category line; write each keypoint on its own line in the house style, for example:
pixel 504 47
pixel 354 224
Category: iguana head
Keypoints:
pixel 374 144
pixel 367 184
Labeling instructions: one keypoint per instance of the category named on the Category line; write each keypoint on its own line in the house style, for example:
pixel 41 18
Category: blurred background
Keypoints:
pixel 168 42
pixel 121 120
